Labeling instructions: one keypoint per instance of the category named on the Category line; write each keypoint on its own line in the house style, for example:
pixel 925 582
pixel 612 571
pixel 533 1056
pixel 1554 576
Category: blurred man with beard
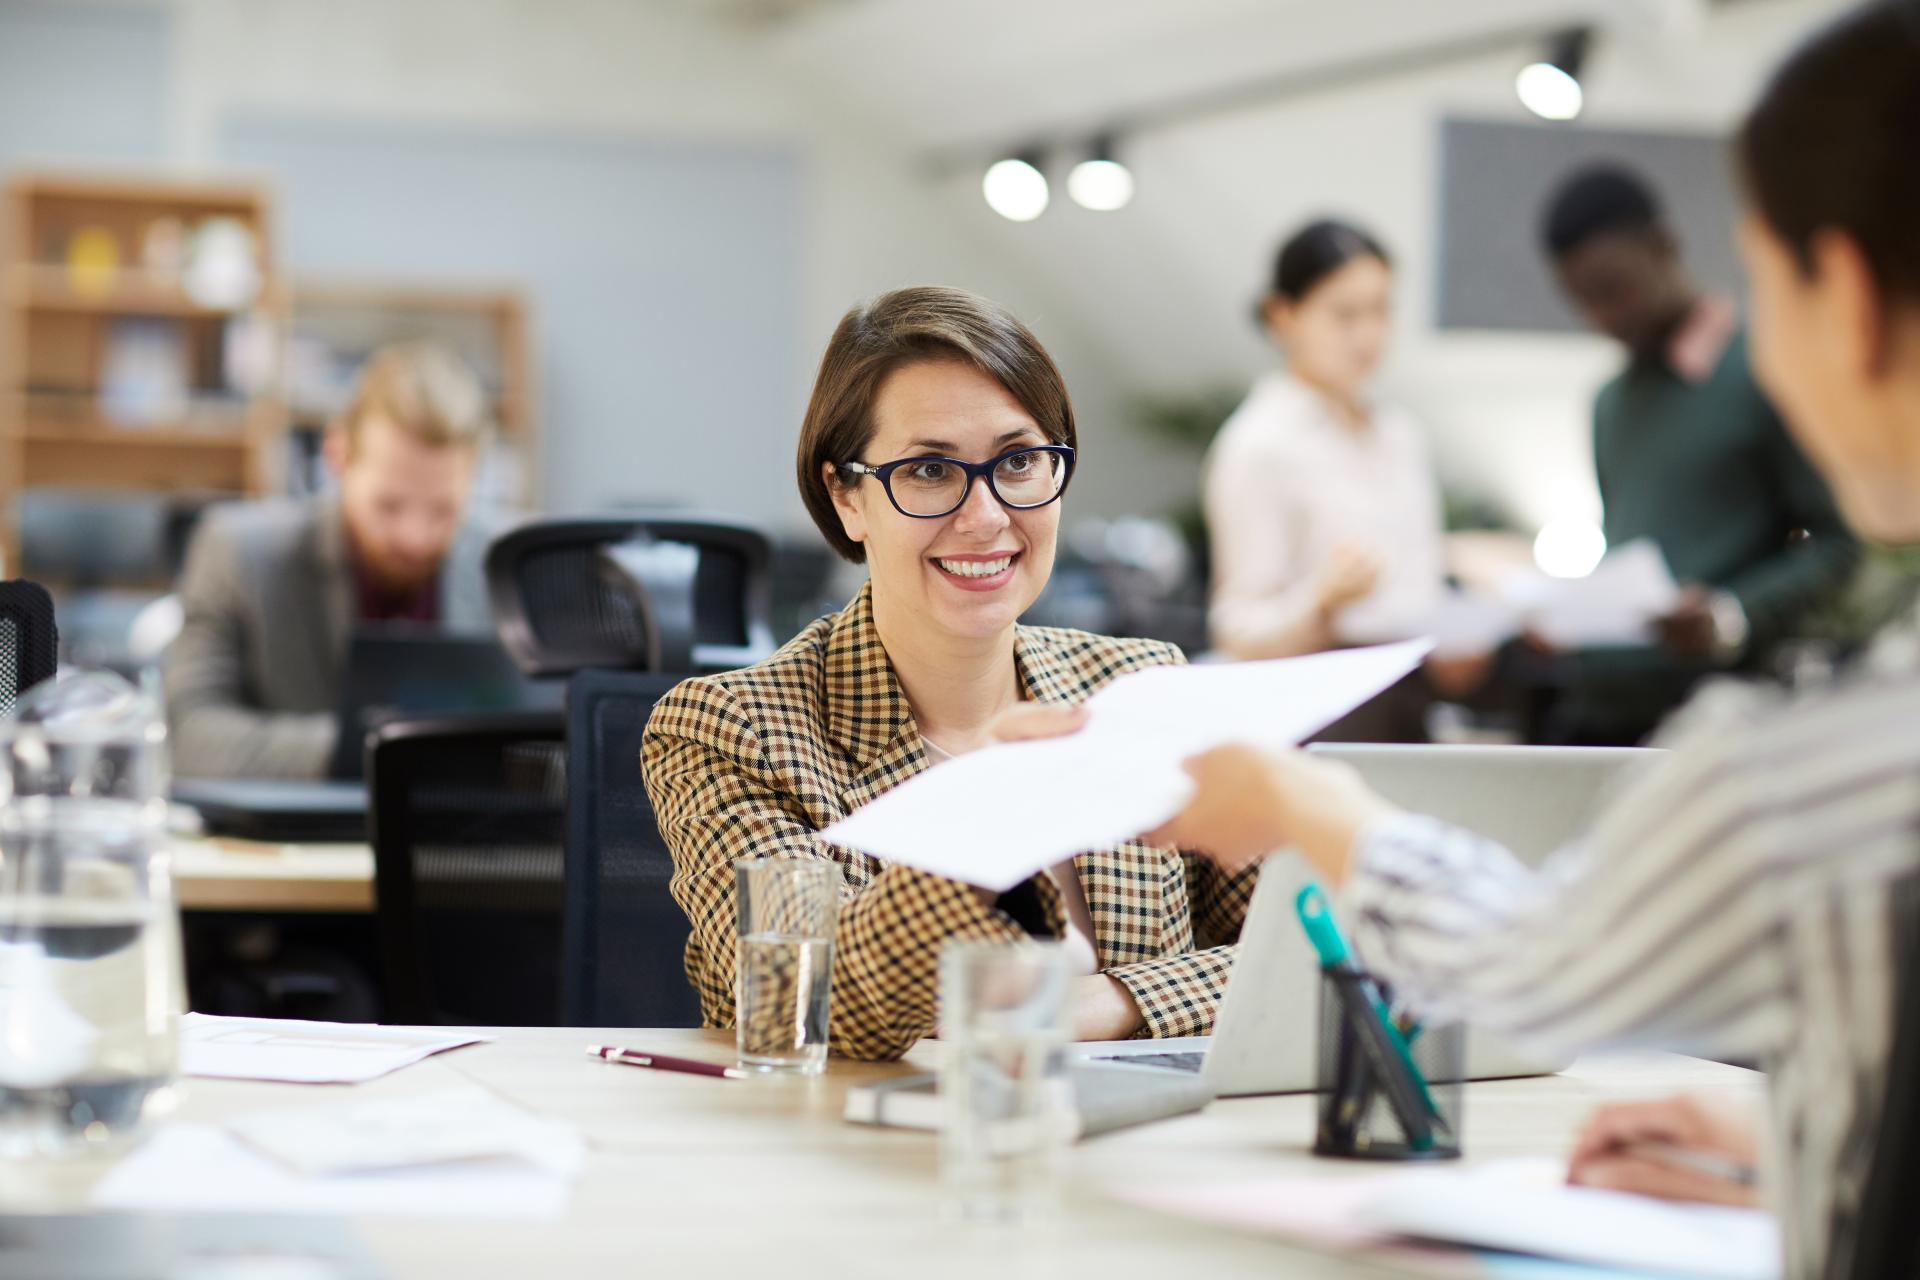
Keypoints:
pixel 273 589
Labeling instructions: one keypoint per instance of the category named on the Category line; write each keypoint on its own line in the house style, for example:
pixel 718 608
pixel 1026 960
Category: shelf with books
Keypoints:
pixel 140 329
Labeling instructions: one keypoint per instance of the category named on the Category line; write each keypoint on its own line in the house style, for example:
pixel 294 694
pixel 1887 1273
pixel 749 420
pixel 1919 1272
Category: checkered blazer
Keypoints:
pixel 751 763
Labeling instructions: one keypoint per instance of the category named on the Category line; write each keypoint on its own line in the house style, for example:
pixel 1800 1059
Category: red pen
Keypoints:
pixel 663 1062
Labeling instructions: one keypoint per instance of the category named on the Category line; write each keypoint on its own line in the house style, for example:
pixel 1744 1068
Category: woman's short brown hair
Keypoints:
pixel 904 327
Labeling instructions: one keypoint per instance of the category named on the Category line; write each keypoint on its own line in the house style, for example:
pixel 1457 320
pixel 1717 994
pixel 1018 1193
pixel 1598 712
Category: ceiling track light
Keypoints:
pixel 1016 187
pixel 1100 182
pixel 1550 88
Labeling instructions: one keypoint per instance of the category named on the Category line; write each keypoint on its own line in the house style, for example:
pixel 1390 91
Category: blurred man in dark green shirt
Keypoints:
pixel 1689 454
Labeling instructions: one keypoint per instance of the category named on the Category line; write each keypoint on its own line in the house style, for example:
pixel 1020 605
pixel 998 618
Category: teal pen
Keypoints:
pixel 1316 917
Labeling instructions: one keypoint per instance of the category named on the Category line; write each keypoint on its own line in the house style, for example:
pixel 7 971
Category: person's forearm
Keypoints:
pixel 230 741
pixel 1776 592
pixel 1568 958
pixel 1100 1008
pixel 1284 626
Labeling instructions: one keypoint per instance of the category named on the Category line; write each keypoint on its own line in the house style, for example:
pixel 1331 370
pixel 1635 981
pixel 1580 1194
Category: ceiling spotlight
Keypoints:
pixel 1551 88
pixel 1015 188
pixel 1100 182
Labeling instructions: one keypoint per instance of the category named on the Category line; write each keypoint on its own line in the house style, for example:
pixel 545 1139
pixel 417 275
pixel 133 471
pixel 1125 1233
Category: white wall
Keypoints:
pixel 642 70
pixel 1153 298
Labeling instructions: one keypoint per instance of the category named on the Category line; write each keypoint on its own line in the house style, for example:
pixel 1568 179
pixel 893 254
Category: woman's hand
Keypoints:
pixel 1615 1149
pixel 1246 803
pixel 1349 574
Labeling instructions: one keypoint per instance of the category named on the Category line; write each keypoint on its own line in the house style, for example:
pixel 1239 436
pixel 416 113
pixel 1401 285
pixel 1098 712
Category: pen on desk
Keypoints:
pixel 1708 1163
pixel 664 1062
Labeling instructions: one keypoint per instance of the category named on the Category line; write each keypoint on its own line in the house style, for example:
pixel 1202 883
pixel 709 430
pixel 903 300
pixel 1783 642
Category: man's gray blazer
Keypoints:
pixel 253 681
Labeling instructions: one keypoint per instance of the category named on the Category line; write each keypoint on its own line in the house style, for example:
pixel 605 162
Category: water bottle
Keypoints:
pixel 91 985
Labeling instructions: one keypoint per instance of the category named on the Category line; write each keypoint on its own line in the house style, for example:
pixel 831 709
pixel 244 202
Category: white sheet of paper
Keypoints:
pixel 1525 1206
pixel 996 816
pixel 1518 1206
pixel 297 1052
pixel 446 1126
pixel 202 1168
pixel 1614 605
pixel 1460 624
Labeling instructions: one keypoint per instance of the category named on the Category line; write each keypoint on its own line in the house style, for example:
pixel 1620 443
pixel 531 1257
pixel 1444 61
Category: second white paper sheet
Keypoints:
pixel 996 816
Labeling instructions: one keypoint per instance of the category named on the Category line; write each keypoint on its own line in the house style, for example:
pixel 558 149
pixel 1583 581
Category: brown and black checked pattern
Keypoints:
pixel 750 764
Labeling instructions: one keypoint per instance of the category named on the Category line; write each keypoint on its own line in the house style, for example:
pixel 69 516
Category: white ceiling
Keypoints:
pixel 987 73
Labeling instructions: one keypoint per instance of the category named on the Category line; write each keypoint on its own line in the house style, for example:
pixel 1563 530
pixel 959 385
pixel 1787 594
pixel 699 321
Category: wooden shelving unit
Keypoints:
pixel 63 315
pixel 337 324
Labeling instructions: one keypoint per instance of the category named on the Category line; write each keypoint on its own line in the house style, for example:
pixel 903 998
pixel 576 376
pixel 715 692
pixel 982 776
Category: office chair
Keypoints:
pixel 29 641
pixel 467 817
pixel 624 938
pixel 675 594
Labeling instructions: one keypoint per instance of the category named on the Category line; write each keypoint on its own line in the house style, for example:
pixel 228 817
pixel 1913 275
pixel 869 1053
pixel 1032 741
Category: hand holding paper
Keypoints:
pixel 997 816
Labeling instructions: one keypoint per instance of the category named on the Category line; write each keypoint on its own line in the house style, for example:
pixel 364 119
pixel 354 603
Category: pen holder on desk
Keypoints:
pixel 1361 1117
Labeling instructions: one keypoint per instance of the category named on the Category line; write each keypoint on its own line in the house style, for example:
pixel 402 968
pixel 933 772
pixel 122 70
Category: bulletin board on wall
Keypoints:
pixel 1496 178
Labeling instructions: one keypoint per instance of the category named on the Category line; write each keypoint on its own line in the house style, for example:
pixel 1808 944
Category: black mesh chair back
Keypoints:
pixel 29 642
pixel 467 816
pixel 625 938
pixel 632 593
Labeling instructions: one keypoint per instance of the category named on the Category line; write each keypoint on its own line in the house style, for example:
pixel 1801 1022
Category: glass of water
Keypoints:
pixel 90 973
pixel 784 981
pixel 1007 1103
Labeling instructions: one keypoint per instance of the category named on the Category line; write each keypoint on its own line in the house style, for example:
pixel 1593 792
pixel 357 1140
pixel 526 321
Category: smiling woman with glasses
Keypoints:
pixel 935 450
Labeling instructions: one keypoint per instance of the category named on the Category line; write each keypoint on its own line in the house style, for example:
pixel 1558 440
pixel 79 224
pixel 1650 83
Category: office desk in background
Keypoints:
pixel 692 1176
pixel 217 873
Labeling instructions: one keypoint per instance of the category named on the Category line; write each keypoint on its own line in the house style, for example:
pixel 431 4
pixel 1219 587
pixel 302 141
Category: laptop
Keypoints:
pixel 405 671
pixel 1533 800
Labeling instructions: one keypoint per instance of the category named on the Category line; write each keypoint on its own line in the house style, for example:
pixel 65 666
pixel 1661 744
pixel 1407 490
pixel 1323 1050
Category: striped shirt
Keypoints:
pixel 1735 901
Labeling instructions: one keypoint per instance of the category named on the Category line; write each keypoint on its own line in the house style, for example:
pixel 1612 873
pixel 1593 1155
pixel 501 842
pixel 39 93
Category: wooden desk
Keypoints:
pixel 698 1177
pixel 212 873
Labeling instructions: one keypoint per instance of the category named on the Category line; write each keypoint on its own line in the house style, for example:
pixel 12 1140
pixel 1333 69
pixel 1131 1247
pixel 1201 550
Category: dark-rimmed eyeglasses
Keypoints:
pixel 929 487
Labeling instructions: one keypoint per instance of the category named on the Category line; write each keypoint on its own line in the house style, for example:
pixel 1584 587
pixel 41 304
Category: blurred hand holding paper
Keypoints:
pixel 997 816
pixel 1613 606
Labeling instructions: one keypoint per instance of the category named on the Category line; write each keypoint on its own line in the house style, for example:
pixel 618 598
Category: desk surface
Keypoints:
pixel 693 1176
pixel 214 873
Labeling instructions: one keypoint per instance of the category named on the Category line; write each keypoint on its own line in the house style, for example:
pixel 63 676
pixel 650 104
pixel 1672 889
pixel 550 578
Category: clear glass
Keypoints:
pixel 91 984
pixel 784 981
pixel 1007 1101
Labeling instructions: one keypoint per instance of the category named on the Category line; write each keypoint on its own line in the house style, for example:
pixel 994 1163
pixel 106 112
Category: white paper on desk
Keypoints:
pixel 1521 1207
pixel 996 816
pixel 1525 1206
pixel 443 1127
pixel 1614 605
pixel 296 1052
pixel 202 1168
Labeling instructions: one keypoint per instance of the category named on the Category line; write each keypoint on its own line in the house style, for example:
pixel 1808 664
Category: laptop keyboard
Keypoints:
pixel 1178 1061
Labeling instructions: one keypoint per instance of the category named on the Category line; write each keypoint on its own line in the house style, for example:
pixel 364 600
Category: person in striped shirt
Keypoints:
pixel 1750 895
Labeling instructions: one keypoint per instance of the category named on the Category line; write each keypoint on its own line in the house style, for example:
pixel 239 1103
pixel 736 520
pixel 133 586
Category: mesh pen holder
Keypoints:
pixel 1362 1116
